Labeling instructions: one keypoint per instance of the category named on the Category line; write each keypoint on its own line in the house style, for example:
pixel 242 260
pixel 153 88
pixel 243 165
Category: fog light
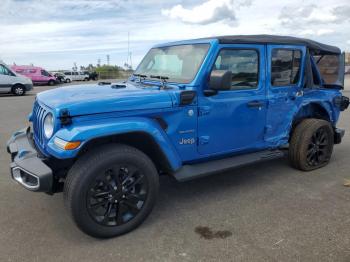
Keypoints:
pixel 65 145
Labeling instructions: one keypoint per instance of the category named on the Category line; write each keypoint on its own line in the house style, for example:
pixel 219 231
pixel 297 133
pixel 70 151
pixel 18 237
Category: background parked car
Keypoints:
pixel 61 78
pixel 38 75
pixel 92 75
pixel 75 76
pixel 10 82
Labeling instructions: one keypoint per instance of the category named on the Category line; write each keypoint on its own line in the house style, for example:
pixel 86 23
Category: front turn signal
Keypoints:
pixel 65 145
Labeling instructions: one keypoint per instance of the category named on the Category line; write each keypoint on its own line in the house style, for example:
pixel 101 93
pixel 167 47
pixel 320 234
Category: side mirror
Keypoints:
pixel 220 80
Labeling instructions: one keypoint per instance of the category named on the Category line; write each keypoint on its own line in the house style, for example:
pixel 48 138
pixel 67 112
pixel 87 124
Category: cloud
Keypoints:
pixel 54 34
pixel 316 32
pixel 208 12
pixel 342 13
pixel 33 10
pixel 296 15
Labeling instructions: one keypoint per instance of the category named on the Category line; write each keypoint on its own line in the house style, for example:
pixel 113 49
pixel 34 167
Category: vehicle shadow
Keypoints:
pixel 186 194
pixel 259 173
pixel 13 96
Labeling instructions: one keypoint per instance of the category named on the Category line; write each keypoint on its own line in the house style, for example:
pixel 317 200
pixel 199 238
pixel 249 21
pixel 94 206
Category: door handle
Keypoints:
pixel 254 104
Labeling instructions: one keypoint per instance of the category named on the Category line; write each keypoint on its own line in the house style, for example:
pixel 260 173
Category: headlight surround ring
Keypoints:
pixel 48 125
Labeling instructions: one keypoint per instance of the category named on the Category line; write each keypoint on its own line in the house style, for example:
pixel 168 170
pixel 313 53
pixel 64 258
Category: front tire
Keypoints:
pixel 111 190
pixel 18 90
pixel 51 83
pixel 311 145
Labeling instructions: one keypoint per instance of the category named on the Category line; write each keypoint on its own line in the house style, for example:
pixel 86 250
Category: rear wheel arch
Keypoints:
pixel 311 110
pixel 139 140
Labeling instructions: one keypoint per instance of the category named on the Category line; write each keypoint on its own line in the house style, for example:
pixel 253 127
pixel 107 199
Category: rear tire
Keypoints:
pixel 18 90
pixel 311 145
pixel 111 190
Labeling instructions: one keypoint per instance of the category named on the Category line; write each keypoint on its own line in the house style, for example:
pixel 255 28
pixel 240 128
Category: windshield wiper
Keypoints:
pixel 140 76
pixel 159 77
pixel 162 78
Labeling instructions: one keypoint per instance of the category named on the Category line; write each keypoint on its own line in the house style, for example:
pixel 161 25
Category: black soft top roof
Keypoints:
pixel 314 47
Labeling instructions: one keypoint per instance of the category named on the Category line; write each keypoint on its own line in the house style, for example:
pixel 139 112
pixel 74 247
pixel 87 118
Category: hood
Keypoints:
pixel 93 99
pixel 23 79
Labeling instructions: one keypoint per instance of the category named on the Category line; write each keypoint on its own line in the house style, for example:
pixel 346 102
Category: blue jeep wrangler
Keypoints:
pixel 191 108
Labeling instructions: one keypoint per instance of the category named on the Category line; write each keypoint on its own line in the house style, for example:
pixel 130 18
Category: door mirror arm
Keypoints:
pixel 210 92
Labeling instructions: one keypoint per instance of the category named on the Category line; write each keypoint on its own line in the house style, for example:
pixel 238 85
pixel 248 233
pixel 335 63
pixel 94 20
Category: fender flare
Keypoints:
pixel 325 106
pixel 85 131
pixel 302 113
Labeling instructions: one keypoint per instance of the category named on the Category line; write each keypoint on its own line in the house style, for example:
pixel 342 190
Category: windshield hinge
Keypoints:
pixel 65 117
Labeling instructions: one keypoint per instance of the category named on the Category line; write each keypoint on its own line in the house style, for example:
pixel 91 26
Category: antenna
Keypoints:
pixel 128 63
pixel 127 60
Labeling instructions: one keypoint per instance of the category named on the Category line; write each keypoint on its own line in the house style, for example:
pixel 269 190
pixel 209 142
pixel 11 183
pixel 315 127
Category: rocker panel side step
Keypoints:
pixel 189 172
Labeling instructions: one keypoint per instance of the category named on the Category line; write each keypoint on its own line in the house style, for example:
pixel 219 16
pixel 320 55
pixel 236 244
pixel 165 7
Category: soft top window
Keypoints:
pixel 329 68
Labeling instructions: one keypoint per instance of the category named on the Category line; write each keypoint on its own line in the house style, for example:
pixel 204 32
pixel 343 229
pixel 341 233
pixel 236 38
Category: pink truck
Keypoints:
pixel 38 75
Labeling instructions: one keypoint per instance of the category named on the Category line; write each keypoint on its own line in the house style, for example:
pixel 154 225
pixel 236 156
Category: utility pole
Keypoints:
pixel 108 59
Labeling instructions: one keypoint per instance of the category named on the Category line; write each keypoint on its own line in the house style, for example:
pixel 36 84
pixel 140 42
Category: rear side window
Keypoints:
pixel 244 65
pixel 285 67
pixel 328 66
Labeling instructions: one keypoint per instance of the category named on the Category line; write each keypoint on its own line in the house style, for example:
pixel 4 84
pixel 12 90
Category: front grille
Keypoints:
pixel 39 114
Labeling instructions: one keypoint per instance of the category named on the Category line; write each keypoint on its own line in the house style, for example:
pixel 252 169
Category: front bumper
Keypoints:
pixel 27 168
pixel 28 87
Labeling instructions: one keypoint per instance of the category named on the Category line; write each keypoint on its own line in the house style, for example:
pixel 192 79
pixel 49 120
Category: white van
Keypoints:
pixel 11 82
pixel 75 76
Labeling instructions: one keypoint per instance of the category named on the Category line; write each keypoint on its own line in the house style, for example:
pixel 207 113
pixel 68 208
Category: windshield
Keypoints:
pixel 179 63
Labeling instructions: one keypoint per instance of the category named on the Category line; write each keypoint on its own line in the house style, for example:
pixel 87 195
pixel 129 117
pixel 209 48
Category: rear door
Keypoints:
pixel 234 120
pixel 284 84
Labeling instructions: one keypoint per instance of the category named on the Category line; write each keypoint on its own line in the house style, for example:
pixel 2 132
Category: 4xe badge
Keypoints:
pixel 188 141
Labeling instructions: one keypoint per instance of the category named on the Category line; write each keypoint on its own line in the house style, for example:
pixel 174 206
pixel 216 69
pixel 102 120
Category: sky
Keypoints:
pixel 55 34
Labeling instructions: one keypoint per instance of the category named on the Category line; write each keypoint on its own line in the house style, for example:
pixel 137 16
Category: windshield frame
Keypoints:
pixel 208 44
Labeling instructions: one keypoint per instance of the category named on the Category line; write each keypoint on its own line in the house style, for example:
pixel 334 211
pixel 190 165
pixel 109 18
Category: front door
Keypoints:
pixel 234 120
pixel 6 79
pixel 284 84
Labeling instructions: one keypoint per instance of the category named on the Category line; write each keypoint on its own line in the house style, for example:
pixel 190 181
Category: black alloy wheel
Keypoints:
pixel 311 144
pixel 111 190
pixel 117 195
pixel 317 152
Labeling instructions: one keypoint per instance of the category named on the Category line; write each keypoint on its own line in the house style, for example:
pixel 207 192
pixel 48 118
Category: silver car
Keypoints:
pixel 11 82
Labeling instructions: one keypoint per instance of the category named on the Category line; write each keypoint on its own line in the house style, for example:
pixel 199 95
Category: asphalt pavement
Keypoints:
pixel 264 212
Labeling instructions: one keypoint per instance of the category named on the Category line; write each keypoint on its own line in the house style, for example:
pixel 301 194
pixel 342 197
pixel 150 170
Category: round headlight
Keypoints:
pixel 48 125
